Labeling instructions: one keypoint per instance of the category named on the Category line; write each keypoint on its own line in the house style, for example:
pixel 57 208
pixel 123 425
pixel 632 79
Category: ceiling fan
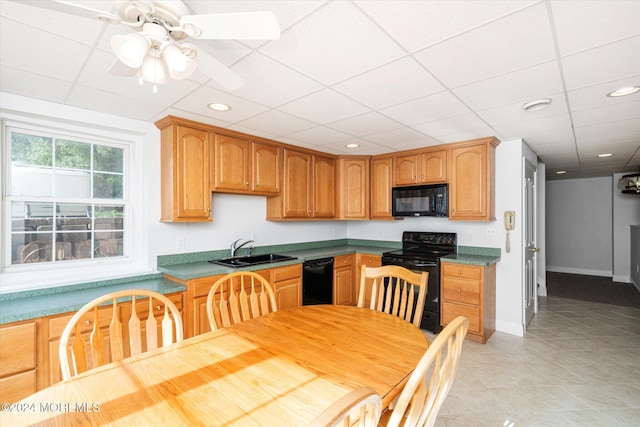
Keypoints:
pixel 156 50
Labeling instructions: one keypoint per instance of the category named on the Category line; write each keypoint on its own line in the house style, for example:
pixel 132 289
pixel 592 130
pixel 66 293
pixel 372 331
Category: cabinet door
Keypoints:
pixel 344 280
pixel 381 183
pixel 191 189
pixel 231 163
pixel 324 183
pixel 17 361
pixel 267 165
pixel 433 167
pixel 354 188
pixel 297 190
pixel 288 293
pixel 405 169
pixel 469 183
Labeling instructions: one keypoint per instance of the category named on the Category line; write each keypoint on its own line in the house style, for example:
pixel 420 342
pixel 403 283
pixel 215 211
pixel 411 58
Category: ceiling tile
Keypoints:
pixel 198 100
pixel 26 83
pixel 609 113
pixel 319 135
pixel 610 129
pixel 324 106
pixel 596 95
pixel 333 44
pixel 276 122
pixel 111 103
pixel 440 129
pixel 605 63
pixel 527 84
pixel 271 83
pixel 594 26
pixel 419 24
pixel 508 44
pixel 365 124
pixel 390 84
pixel 426 109
pixel 400 136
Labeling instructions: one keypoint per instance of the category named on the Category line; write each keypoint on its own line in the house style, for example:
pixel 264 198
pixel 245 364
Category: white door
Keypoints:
pixel 530 249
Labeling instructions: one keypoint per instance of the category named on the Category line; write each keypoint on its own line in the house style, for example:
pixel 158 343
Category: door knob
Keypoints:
pixel 534 249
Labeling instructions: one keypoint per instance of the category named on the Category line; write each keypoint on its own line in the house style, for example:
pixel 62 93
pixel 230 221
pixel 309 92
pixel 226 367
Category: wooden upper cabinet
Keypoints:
pixel 324 187
pixel 241 166
pixel 231 163
pixel 425 167
pixel 185 161
pixel 381 183
pixel 472 180
pixel 308 188
pixel 267 168
pixel 353 188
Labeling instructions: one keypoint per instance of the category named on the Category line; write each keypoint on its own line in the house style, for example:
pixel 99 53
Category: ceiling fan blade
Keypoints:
pixel 74 9
pixel 216 71
pixel 232 26
pixel 119 68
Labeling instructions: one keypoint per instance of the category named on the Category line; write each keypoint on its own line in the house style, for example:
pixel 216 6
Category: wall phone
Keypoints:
pixel 509 224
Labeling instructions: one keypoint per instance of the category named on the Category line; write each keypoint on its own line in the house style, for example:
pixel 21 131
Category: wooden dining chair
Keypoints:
pixel 237 297
pixel 430 382
pixel 82 343
pixel 394 290
pixel 361 407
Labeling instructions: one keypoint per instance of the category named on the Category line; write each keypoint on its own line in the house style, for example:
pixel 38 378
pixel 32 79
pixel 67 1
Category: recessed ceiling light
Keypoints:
pixel 624 91
pixel 352 145
pixel 561 172
pixel 219 107
pixel 605 155
pixel 538 104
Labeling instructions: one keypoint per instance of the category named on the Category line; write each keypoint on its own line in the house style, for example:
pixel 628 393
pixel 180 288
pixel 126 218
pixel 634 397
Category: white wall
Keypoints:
pixel 626 212
pixel 579 222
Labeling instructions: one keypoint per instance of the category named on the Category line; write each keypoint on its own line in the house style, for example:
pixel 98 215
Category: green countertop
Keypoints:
pixel 484 260
pixel 195 270
pixel 32 304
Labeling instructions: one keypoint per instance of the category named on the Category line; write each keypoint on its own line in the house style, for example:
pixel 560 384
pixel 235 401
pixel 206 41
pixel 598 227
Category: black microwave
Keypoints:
pixel 424 200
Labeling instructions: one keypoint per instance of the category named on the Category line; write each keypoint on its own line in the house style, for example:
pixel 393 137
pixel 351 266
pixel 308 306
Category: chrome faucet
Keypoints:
pixel 235 246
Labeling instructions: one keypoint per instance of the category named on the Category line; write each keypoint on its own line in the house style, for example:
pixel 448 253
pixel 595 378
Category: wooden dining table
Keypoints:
pixel 283 368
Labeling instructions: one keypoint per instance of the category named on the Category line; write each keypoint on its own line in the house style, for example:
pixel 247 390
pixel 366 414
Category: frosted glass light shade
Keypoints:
pixel 130 49
pixel 179 65
pixel 153 70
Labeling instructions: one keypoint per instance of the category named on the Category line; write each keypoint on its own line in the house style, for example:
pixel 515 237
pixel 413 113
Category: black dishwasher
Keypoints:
pixel 317 281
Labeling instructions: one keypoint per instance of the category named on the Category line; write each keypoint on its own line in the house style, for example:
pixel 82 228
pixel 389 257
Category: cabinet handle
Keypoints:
pixel 459 290
pixel 247 183
pixel 87 322
pixel 277 291
pixel 422 177
pixel 459 272
pixel 158 307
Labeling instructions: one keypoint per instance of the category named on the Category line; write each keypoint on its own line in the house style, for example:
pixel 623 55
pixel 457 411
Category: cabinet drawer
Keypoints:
pixel 287 272
pixel 343 261
pixel 57 324
pixel 203 285
pixel 17 387
pixel 462 270
pixel 451 311
pixel 18 349
pixel 461 290
pixel 371 260
pixel 142 305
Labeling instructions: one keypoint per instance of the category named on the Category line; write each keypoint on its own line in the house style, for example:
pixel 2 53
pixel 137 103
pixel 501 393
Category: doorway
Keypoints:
pixel 529 239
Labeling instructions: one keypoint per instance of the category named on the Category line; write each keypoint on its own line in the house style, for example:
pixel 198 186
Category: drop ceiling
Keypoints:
pixel 387 75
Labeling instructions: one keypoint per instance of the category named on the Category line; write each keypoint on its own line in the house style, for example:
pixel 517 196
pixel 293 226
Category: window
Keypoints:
pixel 66 198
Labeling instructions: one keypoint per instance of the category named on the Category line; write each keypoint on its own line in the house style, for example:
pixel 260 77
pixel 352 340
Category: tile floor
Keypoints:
pixel 578 365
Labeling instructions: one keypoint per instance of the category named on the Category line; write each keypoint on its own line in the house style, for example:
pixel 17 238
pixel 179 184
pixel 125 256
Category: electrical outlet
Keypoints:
pixel 493 231
pixel 180 242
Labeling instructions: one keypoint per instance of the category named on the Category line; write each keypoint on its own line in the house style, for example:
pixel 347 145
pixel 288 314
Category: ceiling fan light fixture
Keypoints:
pixel 180 66
pixel 536 105
pixel 130 49
pixel 153 70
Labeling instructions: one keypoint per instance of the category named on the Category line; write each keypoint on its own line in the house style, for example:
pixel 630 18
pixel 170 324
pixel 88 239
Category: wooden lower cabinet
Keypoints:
pixel 286 282
pixel 469 291
pixel 56 325
pixel 18 360
pixel 369 260
pixel 344 286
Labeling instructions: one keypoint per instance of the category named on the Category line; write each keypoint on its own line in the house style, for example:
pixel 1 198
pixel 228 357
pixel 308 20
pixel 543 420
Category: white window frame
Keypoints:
pixel 45 275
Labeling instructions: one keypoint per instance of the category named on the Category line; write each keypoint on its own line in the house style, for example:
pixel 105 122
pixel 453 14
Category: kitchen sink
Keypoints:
pixel 247 261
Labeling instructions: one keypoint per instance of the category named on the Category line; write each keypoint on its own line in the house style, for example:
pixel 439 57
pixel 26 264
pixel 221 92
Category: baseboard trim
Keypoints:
pixel 622 279
pixel 509 328
pixel 584 271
